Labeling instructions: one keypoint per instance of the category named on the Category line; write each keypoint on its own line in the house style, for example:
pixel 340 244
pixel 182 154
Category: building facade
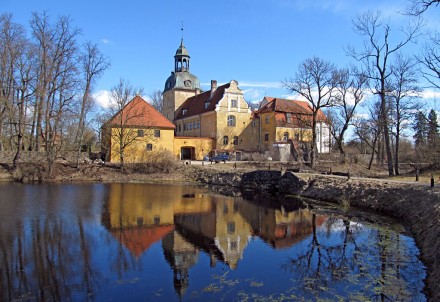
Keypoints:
pixel 197 124
pixel 135 132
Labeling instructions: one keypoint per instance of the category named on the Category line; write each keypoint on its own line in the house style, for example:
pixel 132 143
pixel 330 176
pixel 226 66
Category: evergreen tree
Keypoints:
pixel 433 129
pixel 420 129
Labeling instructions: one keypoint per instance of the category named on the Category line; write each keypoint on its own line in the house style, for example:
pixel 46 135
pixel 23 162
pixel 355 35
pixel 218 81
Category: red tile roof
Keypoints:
pixel 196 104
pixel 300 110
pixel 138 239
pixel 138 113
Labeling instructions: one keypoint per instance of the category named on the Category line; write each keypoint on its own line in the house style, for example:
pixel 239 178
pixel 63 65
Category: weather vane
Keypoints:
pixel 181 28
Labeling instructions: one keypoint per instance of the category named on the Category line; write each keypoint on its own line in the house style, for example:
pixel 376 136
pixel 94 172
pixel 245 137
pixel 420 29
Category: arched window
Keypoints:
pixel 286 136
pixel 231 120
pixel 225 140
pixel 235 140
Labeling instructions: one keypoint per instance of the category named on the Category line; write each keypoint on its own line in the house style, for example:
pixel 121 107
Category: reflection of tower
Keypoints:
pixel 181 256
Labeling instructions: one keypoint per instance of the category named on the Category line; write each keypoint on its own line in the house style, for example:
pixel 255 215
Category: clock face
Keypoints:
pixel 187 83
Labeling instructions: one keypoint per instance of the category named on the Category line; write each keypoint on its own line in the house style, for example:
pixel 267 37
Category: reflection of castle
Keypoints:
pixel 181 255
pixel 222 233
pixel 189 219
pixel 279 228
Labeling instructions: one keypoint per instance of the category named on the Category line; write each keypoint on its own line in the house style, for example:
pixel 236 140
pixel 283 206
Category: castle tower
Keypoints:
pixel 180 85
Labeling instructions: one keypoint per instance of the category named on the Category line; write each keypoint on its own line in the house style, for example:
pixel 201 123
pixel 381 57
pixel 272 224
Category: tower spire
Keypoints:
pixel 181 28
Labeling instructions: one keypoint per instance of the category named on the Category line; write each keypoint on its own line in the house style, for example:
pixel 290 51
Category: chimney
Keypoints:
pixel 213 86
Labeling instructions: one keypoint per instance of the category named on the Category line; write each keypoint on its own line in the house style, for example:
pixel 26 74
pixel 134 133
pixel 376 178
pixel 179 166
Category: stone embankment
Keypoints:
pixel 417 207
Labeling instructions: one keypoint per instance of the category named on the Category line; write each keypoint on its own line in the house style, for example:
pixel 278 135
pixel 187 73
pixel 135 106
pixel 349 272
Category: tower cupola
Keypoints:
pixel 181 59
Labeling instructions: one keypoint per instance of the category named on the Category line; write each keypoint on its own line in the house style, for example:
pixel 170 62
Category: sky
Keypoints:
pixel 258 43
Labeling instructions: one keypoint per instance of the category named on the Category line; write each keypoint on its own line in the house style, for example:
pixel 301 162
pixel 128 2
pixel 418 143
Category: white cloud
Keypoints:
pixel 260 84
pixel 102 98
pixel 430 94
pixel 250 84
pixel 106 41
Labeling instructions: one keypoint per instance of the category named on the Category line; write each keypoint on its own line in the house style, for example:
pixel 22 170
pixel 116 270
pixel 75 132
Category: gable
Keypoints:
pixel 138 113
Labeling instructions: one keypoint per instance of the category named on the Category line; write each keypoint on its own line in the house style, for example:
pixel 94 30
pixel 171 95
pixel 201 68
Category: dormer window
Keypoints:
pixel 207 103
pixel 288 118
pixel 184 111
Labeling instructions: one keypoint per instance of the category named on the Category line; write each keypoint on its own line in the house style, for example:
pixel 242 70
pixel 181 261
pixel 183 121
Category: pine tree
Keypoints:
pixel 433 129
pixel 421 129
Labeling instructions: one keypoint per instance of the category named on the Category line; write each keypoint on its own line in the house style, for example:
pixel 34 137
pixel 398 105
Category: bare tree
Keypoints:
pixel 119 127
pixel 157 100
pixel 57 80
pixel 349 93
pixel 25 78
pixel 430 58
pixel 92 64
pixel 418 7
pixel 12 36
pixel 376 57
pixel 315 81
pixel 403 98
pixel 369 132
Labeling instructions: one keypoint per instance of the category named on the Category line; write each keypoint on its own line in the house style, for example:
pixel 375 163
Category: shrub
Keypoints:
pixel 153 162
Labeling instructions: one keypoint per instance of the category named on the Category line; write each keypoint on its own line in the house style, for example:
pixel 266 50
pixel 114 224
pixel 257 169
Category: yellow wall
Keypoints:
pixel 268 125
pixel 202 146
pixel 172 99
pixel 136 151
pixel 305 135
pixel 246 135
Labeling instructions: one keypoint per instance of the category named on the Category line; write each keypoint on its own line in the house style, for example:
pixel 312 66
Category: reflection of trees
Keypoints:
pixel 376 267
pixel 45 261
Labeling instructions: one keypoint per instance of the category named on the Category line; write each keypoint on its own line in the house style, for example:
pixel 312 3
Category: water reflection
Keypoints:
pixel 136 242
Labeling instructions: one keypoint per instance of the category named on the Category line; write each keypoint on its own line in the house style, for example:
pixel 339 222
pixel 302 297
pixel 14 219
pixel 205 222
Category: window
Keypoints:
pixel 190 126
pixel 231 227
pixel 231 120
pixel 140 133
pixel 254 123
pixel 234 103
pixel 179 128
pixel 266 137
pixel 225 140
pixel 207 103
pixel 156 220
pixel 286 136
pixel 233 245
pixel 139 221
pixel 184 111
pixel 198 124
pixel 288 118
pixel 195 125
pixel 156 133
pixel 235 140
pixel 149 147
pixel 267 120
pixel 297 136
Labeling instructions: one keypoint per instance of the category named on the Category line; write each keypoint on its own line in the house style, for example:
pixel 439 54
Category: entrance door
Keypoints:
pixel 187 153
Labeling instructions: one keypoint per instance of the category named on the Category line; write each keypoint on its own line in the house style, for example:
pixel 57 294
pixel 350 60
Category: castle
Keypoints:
pixel 199 124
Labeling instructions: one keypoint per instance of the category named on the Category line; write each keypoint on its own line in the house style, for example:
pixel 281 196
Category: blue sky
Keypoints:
pixel 258 43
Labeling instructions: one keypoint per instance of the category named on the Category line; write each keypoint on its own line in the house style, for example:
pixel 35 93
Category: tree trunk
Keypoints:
pixel 396 156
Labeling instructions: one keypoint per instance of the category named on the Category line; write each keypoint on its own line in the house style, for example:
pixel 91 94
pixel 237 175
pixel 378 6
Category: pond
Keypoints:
pixel 144 242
